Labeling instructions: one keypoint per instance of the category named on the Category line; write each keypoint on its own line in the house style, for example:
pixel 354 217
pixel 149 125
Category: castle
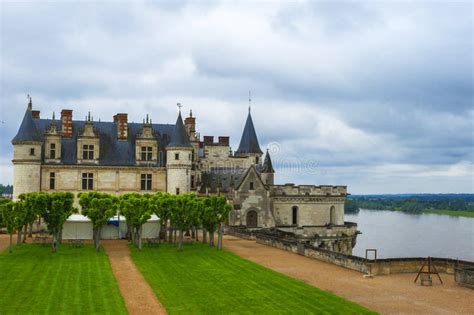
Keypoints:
pixel 120 156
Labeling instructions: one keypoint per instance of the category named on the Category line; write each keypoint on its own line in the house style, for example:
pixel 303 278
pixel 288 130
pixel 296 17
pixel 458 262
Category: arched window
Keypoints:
pixel 294 215
pixel 332 215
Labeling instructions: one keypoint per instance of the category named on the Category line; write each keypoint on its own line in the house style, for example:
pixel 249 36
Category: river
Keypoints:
pixel 397 234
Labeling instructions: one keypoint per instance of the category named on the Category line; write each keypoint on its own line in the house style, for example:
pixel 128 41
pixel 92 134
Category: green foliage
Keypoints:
pixel 415 203
pixel 7 212
pixel 72 281
pixel 137 209
pixel 351 206
pixel 202 280
pixel 98 207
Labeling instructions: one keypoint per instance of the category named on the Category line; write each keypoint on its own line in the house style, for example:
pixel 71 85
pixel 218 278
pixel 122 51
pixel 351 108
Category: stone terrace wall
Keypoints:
pixel 374 267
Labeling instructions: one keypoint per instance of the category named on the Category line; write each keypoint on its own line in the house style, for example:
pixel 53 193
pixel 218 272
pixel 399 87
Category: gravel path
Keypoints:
pixel 394 294
pixel 4 241
pixel 138 295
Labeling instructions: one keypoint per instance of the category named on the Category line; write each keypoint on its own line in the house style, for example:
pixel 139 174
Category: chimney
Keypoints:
pixel 35 114
pixel 190 123
pixel 66 123
pixel 208 140
pixel 122 125
pixel 224 141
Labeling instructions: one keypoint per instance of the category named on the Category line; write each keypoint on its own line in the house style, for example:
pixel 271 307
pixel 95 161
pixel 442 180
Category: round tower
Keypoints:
pixel 179 160
pixel 27 154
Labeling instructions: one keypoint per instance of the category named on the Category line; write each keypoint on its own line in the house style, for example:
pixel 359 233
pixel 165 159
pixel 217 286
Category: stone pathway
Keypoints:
pixel 138 295
pixel 393 294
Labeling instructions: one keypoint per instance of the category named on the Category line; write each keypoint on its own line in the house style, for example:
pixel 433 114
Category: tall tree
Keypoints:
pixel 59 208
pixel 216 211
pixel 7 212
pixel 99 208
pixel 137 209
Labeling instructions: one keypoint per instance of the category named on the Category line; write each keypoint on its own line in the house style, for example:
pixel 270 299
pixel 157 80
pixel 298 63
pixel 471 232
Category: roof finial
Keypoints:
pixel 179 106
pixel 89 116
pixel 147 120
pixel 250 100
pixel 30 102
pixel 53 116
pixel 190 113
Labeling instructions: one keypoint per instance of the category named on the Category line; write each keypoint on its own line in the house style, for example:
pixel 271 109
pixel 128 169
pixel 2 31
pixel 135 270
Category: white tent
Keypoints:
pixel 78 226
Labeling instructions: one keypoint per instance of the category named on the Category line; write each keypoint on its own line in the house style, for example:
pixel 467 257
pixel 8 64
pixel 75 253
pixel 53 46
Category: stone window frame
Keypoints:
pixel 294 215
pixel 146 153
pixel 52 181
pixel 32 151
pixel 88 151
pixel 52 150
pixel 87 181
pixel 146 182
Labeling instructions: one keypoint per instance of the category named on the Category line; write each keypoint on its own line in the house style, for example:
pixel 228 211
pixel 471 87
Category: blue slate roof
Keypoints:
pixel 267 166
pixel 249 141
pixel 113 151
pixel 179 137
pixel 224 178
pixel 28 130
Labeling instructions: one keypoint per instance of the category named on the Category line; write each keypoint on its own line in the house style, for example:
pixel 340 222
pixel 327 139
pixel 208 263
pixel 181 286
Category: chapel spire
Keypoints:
pixel 249 141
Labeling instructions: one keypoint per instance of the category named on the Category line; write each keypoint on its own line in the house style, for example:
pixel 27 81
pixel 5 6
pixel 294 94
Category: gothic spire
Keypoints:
pixel 180 137
pixel 249 141
pixel 28 130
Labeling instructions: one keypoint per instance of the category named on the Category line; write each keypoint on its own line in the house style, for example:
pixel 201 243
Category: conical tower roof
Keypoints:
pixel 180 137
pixel 249 141
pixel 28 130
pixel 267 166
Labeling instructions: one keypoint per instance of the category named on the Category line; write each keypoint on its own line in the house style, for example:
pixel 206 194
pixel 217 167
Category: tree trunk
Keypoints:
pixel 174 236
pixel 140 237
pixel 204 236
pixel 132 234
pixel 97 239
pixel 54 244
pixel 196 233
pixel 25 232
pixel 180 245
pixel 219 237
pixel 170 234
pixel 211 238
pixel 30 234
pixel 18 240
pixel 11 242
pixel 193 233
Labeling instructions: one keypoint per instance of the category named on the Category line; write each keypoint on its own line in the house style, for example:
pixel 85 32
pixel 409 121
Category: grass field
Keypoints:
pixel 202 280
pixel 72 281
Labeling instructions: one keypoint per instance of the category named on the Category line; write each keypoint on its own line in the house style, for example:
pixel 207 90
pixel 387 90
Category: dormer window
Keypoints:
pixel 176 156
pixel 146 153
pixel 251 186
pixel 88 152
pixel 52 151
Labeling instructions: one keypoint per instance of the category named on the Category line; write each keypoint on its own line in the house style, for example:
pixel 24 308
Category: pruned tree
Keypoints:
pixel 159 206
pixel 7 213
pixel 99 208
pixel 185 214
pixel 59 208
pixel 35 203
pixel 137 209
pixel 216 211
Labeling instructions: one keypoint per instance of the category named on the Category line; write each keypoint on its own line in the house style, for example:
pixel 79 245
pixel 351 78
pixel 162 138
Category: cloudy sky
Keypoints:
pixel 377 96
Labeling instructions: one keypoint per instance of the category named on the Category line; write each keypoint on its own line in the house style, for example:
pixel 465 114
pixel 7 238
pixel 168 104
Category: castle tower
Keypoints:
pixel 249 146
pixel 179 160
pixel 27 156
pixel 266 171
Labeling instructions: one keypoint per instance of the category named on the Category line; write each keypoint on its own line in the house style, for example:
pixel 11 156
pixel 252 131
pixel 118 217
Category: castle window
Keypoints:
pixel 177 191
pixel 146 153
pixel 190 156
pixel 294 215
pixel 256 160
pixel 251 186
pixel 146 182
pixel 52 151
pixel 176 156
pixel 87 181
pixel 192 181
pixel 32 151
pixel 88 152
pixel 52 180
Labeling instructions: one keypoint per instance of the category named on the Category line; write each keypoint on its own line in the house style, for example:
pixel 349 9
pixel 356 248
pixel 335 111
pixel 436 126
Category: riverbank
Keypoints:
pixel 452 213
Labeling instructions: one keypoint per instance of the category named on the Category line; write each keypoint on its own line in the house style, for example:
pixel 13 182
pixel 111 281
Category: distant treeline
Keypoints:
pixel 411 203
pixel 6 189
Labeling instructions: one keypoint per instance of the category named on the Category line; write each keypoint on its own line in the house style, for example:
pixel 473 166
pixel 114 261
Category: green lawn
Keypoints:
pixel 73 281
pixel 203 280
